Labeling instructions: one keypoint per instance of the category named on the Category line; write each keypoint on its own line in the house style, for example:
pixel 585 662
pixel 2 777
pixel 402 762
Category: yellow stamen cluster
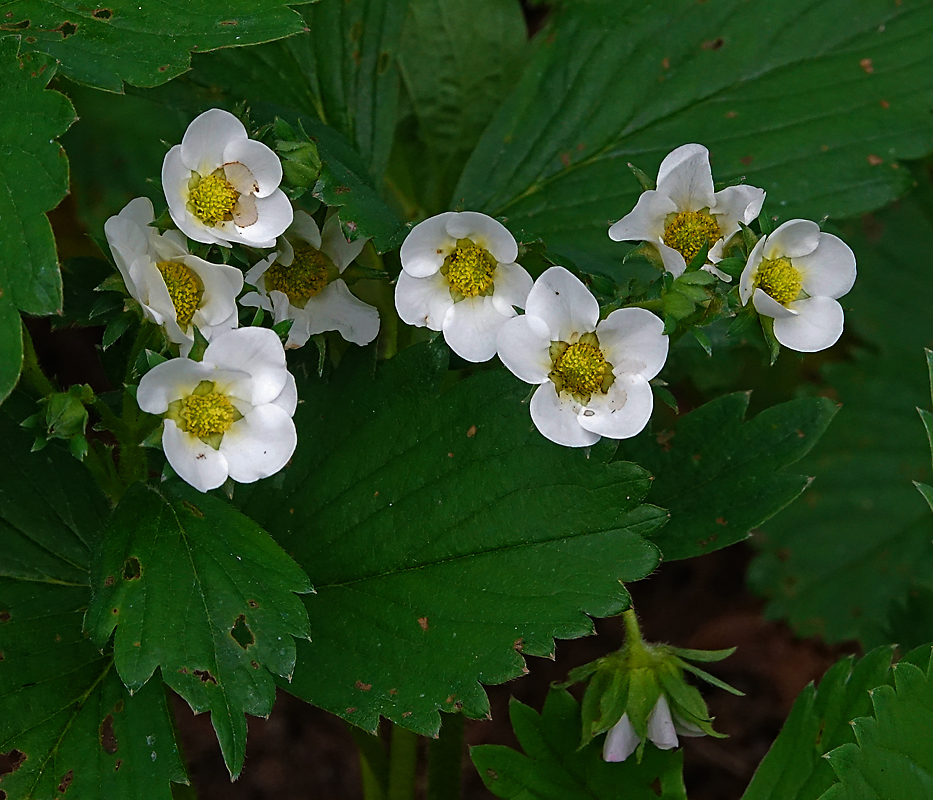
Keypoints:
pixel 307 275
pixel 469 270
pixel 185 289
pixel 690 231
pixel 212 198
pixel 205 413
pixel 580 369
pixel 780 279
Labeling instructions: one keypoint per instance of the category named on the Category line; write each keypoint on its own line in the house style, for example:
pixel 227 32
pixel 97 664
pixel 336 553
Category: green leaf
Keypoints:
pixel 193 587
pixel 103 46
pixel 795 767
pixel 893 756
pixel 449 530
pixel 34 178
pixel 720 476
pixel 62 708
pixel 552 768
pixel 618 81
pixel 834 565
pixel 11 346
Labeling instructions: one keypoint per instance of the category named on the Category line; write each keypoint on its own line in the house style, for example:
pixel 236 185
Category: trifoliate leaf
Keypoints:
pixel 444 536
pixel 198 590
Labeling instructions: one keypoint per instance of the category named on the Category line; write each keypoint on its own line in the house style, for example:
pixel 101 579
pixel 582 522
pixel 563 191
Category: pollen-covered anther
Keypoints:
pixel 212 198
pixel 779 279
pixel 205 412
pixel 307 275
pixel 690 231
pixel 185 289
pixel 469 270
pixel 580 369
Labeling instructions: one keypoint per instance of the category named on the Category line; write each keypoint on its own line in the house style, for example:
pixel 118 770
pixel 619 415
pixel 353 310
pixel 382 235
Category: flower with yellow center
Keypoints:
pixel 592 375
pixel 684 214
pixel 228 415
pixel 302 281
pixel 459 276
pixel 222 186
pixel 796 275
pixel 174 289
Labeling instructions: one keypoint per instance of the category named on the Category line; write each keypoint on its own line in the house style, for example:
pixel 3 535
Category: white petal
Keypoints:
pixel 523 344
pixel 736 204
pixel 623 411
pixel 255 272
pixel 336 308
pixel 427 245
pixel 256 300
pixel 511 285
pixel 153 293
pixel 633 340
pixel 260 444
pixel 239 176
pixel 222 283
pixel 175 177
pixel 555 417
pixel 169 381
pixel 263 165
pixel 256 351
pixel 488 233
pixel 685 176
pixel 305 228
pixel 423 302
pixel 661 726
pixel 829 271
pixel 275 215
pixel 767 305
pixel 245 212
pixel 686 728
pixel 208 135
pixel 335 245
pixel 621 741
pixel 564 304
pixel 747 281
pixel 196 462
pixel 471 326
pixel 818 325
pixel 793 239
pixel 288 399
pixel 673 259
pixel 645 222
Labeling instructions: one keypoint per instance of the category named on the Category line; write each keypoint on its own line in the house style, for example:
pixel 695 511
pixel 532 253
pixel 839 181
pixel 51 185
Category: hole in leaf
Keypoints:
pixel 118 764
pixel 132 569
pixel 66 781
pixel 241 633
pixel 205 676
pixel 253 604
pixel 15 26
pixel 230 22
pixel 12 761
pixel 103 13
pixel 67 29
pixel 108 739
pixel 4 616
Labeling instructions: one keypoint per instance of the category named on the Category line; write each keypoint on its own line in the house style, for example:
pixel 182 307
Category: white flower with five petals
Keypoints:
pixel 685 213
pixel 459 276
pixel 228 415
pixel 223 187
pixel 174 288
pixel 301 281
pixel 593 376
pixel 622 741
pixel 796 275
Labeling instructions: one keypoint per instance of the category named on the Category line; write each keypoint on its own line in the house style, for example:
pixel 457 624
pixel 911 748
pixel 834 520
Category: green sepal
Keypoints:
pixel 678 306
pixel 575 675
pixel 703 656
pixel 116 328
pixel 282 328
pixel 320 342
pixel 644 689
pixel 647 183
pixel 774 346
pixel 712 680
pixel 199 346
pixel 153 439
pixel 666 396
pixel 765 222
pixel 646 251
pixel 258 318
pixel 699 259
pixel 698 278
pixel 749 238
pixel 732 266
pixel 742 322
pixel 703 339
pixel 591 707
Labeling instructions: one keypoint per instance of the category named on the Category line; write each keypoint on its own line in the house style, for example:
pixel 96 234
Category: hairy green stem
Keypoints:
pixel 32 374
pixel 374 764
pixel 403 760
pixel 445 760
pixel 633 636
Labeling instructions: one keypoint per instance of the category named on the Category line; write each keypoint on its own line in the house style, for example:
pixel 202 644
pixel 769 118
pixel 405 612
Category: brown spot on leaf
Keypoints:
pixel 230 22
pixel 664 440
pixel 406 714
pixel 108 739
pixel 721 521
pixel 342 190
pixel 58 637
pixel 471 432
pixel 885 104
pixel 193 509
pixel 162 69
pixel 393 691
pixel 866 65
pixel 4 616
pixel 423 622
pixel 565 159
pixel 875 160
pixel 665 63
pixel 731 114
pixel 713 44
pixel 205 676
pixel 450 455
pixel 108 581
pixel 518 645
pixel 351 709
pixel 118 764
pixel 492 774
pixel 363 687
pixel 254 665
pixel 746 160
pixel 708 541
pixel 252 604
pixel 67 778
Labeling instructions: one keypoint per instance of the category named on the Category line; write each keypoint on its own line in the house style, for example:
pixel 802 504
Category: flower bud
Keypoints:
pixel 62 416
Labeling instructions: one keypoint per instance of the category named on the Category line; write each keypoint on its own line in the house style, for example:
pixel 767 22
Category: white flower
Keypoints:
pixel 684 213
pixel 622 741
pixel 459 276
pixel 227 415
pixel 222 186
pixel 301 281
pixel 175 289
pixel 795 275
pixel 594 377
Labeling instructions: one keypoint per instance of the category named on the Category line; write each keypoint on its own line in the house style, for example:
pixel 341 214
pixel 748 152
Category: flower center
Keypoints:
pixel 204 413
pixel 780 279
pixel 307 275
pixel 469 270
pixel 580 369
pixel 690 231
pixel 212 198
pixel 184 287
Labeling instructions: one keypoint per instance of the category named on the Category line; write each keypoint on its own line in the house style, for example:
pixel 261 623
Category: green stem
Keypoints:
pixel 445 760
pixel 403 759
pixel 32 374
pixel 633 638
pixel 374 764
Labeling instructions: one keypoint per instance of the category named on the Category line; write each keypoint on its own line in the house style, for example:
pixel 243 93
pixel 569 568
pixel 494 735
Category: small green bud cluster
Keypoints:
pixel 62 415
pixel 301 163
